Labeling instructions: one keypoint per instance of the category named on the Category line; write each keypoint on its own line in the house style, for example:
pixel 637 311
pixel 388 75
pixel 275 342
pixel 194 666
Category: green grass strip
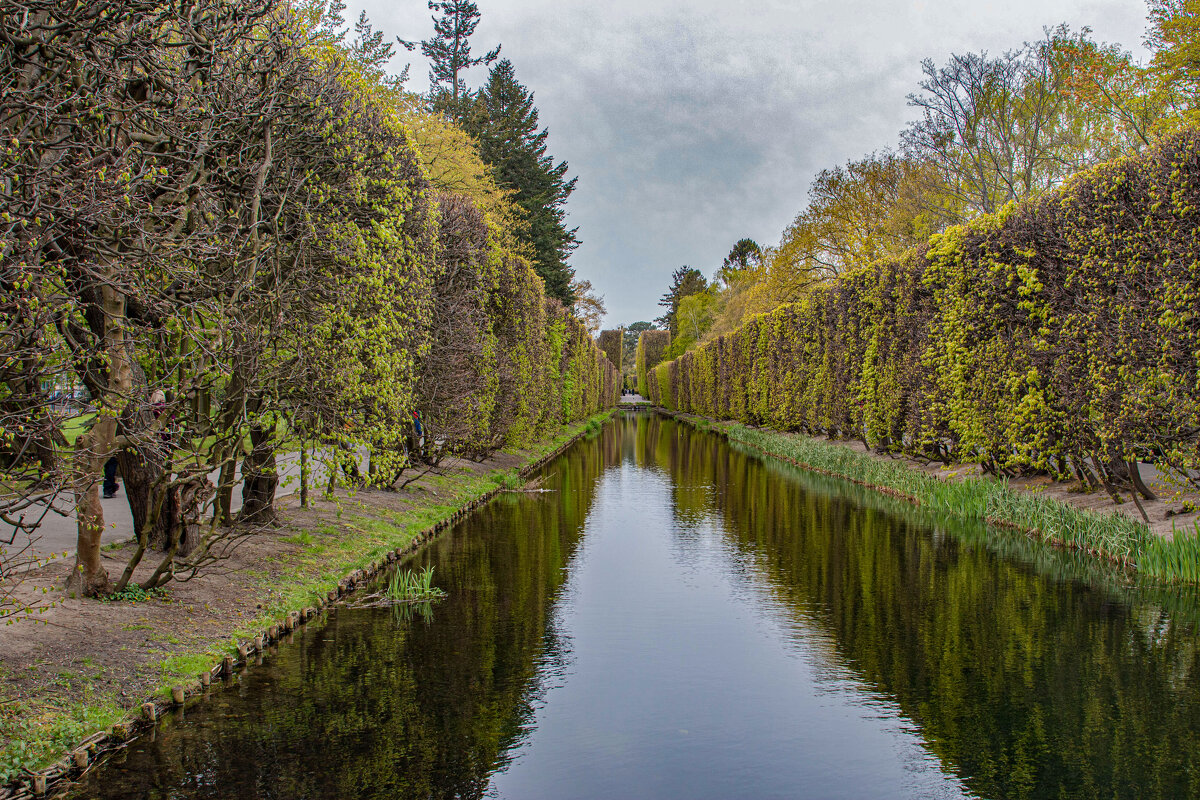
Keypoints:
pixel 1123 540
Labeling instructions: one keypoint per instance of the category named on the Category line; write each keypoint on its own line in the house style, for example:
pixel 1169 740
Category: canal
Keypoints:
pixel 677 618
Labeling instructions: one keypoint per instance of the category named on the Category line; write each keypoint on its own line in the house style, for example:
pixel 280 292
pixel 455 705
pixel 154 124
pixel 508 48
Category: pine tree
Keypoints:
pixel 449 53
pixel 685 281
pixel 505 124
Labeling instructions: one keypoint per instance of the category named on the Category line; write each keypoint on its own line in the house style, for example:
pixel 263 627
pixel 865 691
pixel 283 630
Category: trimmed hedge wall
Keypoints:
pixel 506 364
pixel 650 349
pixel 1061 335
pixel 612 342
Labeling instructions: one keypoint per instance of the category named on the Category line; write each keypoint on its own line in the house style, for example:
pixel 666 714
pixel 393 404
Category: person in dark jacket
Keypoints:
pixel 110 477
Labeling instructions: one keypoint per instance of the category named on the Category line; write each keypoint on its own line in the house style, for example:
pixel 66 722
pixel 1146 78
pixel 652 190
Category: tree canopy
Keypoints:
pixel 449 54
pixel 504 121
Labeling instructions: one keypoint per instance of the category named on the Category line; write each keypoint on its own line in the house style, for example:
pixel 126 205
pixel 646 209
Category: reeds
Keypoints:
pixel 413 586
pixel 1176 559
pixel 1113 536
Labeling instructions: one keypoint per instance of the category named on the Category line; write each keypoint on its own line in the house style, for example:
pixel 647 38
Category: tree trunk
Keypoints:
pixel 143 467
pixel 1135 475
pixel 88 577
pixel 97 446
pixel 225 456
pixel 304 476
pixel 188 500
pixel 260 479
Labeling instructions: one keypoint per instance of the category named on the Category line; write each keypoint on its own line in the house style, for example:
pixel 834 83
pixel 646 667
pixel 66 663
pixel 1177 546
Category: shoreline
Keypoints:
pixel 121 664
pixel 1048 513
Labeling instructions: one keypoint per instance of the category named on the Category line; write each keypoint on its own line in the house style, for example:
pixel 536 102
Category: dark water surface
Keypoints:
pixel 678 619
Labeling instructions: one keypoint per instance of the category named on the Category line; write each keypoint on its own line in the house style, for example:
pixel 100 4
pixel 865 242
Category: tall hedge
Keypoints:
pixel 611 342
pixel 650 349
pixel 1061 335
pixel 505 364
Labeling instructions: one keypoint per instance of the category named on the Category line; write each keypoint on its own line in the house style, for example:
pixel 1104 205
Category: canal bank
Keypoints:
pixel 78 677
pixel 678 615
pixel 1164 549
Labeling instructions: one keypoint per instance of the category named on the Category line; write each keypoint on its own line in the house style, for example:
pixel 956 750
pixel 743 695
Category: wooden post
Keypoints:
pixel 177 695
pixel 148 711
pixel 227 666
pixel 39 784
pixel 205 678
pixel 81 759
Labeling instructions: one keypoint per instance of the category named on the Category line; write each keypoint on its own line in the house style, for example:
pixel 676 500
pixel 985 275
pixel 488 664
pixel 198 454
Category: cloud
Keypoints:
pixel 692 125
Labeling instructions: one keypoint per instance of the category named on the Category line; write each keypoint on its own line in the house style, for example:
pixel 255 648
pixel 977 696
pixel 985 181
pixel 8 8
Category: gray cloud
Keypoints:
pixel 692 125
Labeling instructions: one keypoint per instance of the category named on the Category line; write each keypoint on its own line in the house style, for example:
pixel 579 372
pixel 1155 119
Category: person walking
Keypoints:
pixel 110 477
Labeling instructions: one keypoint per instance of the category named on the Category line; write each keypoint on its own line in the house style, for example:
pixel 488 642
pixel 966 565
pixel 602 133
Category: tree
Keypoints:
pixel 998 129
pixel 449 53
pixel 589 306
pixel 1174 37
pixel 684 281
pixel 1119 101
pixel 744 256
pixel 693 318
pixel 505 123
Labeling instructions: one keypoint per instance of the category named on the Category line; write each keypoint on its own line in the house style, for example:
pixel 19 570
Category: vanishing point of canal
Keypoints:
pixel 678 618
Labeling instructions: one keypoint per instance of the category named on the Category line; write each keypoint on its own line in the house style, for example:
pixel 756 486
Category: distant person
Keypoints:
pixel 110 477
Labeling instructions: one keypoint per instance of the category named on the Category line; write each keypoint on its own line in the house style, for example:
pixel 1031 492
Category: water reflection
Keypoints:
pixel 680 619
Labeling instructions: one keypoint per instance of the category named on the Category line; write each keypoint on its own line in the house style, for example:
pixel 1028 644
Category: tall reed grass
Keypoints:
pixel 1125 541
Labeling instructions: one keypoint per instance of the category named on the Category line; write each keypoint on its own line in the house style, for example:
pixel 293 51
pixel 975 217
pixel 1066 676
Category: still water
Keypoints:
pixel 679 619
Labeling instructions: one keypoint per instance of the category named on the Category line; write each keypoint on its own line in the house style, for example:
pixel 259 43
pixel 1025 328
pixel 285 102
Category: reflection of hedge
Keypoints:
pixel 1062 335
pixel 650 349
pixel 611 342
pixel 516 364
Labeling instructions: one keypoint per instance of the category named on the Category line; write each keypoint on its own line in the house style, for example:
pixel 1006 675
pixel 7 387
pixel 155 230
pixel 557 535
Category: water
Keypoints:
pixel 678 619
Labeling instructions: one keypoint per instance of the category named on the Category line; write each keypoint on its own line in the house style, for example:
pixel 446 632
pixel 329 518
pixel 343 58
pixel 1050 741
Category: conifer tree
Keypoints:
pixel 505 124
pixel 685 281
pixel 449 54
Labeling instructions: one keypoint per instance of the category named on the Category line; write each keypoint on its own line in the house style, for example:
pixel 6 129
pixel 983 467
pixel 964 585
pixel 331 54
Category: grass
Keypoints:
pixel 74 427
pixel 40 734
pixel 35 734
pixel 1113 536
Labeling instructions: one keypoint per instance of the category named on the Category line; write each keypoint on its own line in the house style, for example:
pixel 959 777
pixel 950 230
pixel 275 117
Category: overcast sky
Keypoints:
pixel 694 124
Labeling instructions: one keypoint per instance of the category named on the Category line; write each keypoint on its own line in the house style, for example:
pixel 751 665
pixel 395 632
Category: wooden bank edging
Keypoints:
pixel 88 752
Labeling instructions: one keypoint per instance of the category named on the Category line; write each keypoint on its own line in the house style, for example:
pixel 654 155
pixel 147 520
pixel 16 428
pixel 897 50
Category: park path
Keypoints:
pixel 57 534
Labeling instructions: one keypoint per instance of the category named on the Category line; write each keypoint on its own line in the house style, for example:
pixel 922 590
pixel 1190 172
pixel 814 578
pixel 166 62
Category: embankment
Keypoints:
pixel 1048 512
pixel 80 680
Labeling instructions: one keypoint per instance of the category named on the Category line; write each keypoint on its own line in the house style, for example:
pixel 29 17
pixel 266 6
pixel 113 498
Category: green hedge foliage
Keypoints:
pixel 1059 336
pixel 611 342
pixel 650 349
pixel 506 364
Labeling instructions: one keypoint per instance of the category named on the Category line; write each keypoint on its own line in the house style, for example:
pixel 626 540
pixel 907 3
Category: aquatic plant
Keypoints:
pixel 413 586
pixel 509 480
pixel 1174 559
